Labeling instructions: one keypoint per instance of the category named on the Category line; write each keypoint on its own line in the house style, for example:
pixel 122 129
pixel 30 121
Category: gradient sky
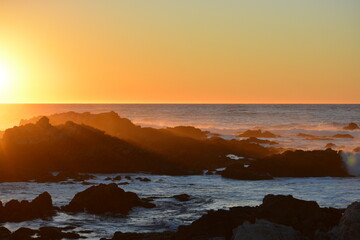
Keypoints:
pixel 253 51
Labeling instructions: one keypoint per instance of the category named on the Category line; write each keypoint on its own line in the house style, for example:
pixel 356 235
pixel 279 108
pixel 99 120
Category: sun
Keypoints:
pixel 5 77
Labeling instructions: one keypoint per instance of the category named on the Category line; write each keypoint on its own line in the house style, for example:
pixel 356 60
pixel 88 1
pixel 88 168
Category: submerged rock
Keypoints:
pixel 15 211
pixel 265 230
pixel 182 197
pixel 351 126
pixel 105 198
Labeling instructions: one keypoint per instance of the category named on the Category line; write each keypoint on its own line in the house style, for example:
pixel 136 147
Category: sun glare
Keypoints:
pixel 5 77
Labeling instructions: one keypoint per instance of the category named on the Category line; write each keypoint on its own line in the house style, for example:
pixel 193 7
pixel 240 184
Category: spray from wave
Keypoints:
pixel 352 161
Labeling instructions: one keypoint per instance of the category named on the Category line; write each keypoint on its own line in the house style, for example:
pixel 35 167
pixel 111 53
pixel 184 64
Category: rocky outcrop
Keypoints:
pixel 299 163
pixel 259 141
pixel 351 126
pixel 265 230
pixel 258 133
pixel 305 217
pixel 105 198
pixel 349 225
pixel 239 172
pixel 64 176
pixel 16 211
pixel 185 146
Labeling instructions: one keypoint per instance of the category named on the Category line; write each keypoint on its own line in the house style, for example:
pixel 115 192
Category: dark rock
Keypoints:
pixel 188 131
pixel 316 163
pixel 123 183
pixel 143 179
pixel 15 211
pixel 23 234
pixel 351 126
pixel 265 230
pixel 258 133
pixel 4 233
pixel 143 236
pixel 304 216
pixel 117 178
pixel 182 197
pixel 239 172
pixel 128 177
pixel 108 179
pixel 357 149
pixel 349 225
pixel 105 198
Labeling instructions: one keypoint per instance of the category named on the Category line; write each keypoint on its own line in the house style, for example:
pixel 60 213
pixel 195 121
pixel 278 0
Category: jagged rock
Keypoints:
pixel 265 230
pixel 23 234
pixel 351 126
pixel 105 198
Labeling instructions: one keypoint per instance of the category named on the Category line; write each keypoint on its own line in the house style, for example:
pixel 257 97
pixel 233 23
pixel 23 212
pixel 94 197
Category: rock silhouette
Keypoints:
pixel 105 198
pixel 16 211
pixel 257 134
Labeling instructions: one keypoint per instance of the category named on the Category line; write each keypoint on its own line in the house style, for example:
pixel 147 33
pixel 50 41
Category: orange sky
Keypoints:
pixel 180 51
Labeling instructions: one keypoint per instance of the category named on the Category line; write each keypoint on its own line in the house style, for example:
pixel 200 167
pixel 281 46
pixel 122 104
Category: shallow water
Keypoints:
pixel 207 192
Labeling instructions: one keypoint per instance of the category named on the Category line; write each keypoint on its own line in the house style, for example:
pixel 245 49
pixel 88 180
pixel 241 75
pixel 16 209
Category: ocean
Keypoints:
pixel 207 192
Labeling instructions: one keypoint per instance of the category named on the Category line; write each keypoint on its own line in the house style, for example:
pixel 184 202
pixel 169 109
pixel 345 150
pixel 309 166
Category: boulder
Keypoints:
pixel 105 198
pixel 239 172
pixel 23 234
pixel 265 230
pixel 15 211
pixel 351 126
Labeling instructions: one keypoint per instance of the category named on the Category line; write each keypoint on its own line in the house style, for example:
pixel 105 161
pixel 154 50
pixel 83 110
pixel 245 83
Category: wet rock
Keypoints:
pixel 343 136
pixel 349 225
pixel 239 172
pixel 351 126
pixel 15 211
pixel 117 178
pixel 105 198
pixel 258 133
pixel 182 197
pixel 265 230
pixel 128 177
